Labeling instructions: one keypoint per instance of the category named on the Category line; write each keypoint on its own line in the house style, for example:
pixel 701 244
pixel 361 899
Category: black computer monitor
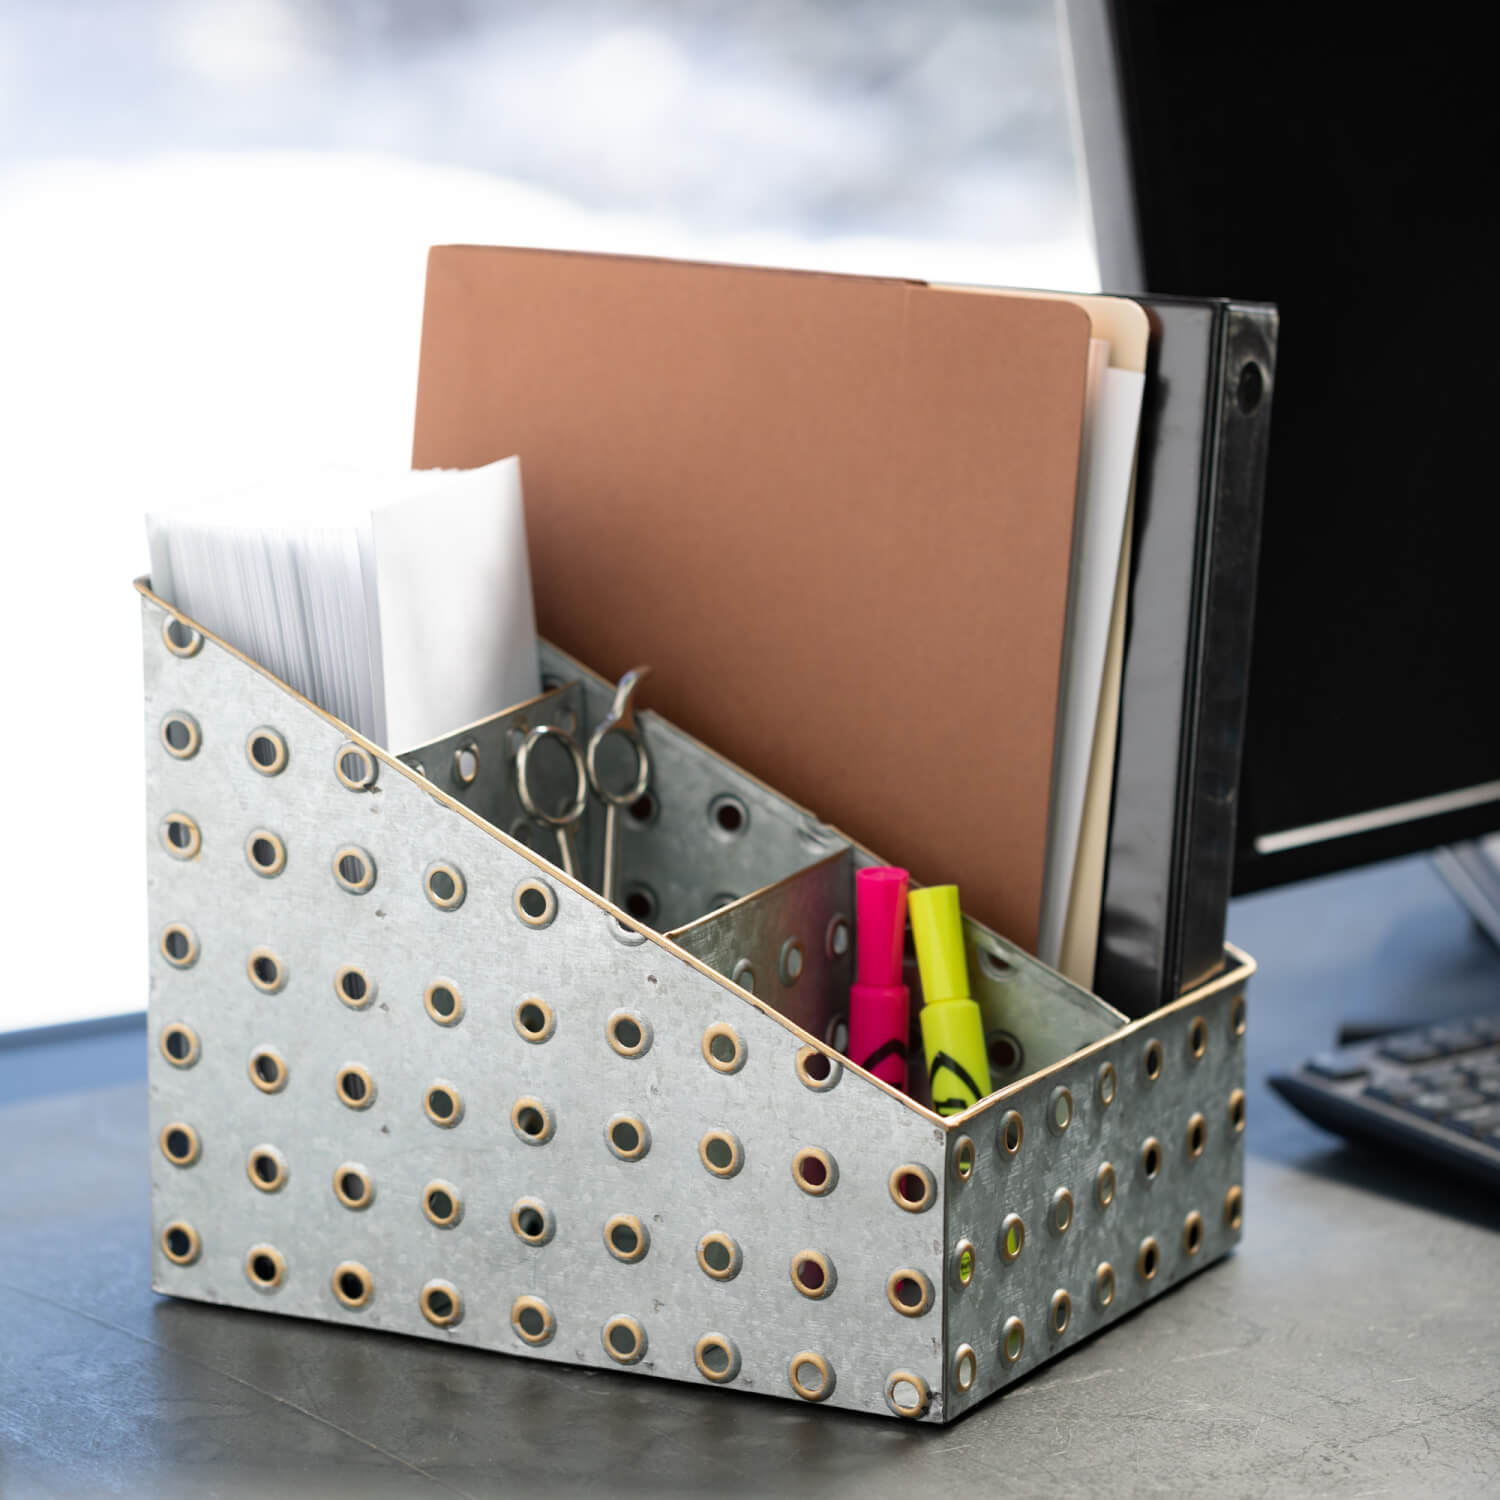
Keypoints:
pixel 1346 170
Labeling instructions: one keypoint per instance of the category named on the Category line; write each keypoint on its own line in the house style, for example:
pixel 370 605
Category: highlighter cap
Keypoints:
pixel 938 930
pixel 880 924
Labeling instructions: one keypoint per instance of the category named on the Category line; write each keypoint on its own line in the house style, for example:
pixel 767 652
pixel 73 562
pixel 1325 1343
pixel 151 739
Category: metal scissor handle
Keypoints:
pixel 619 720
pixel 567 820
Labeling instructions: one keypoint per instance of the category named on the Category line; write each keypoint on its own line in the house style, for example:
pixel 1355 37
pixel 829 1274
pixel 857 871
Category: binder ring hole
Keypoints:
pixel 906 1394
pixel 180 638
pixel 1198 1038
pixel 179 1144
pixel 625 1238
pixel 265 1267
pixel 354 869
pixel 352 1186
pixel 1148 1261
pixel 531 1221
pixel 1062 1211
pixel 441 1304
pixel 812 1274
pixel 719 1256
pixel 535 903
pixel 354 1086
pixel 178 946
pixel 442 1104
pixel 1237 1110
pixel 1192 1232
pixel 1151 1061
pixel 180 836
pixel 628 1034
pixel 268 1070
pixel 964 1261
pixel 811 1375
pixel 1104 1284
pixel 628 1137
pixel 1197 1136
pixel 1003 1051
pixel 913 1187
pixel 466 763
pixel 352 1285
pixel 1107 1084
pixel 1060 1110
pixel 441 1203
pixel 1062 1311
pixel 728 816
pixel 445 886
pixel 965 1368
pixel 355 767
pixel 624 1340
pixel 266 971
pixel 1234 1208
pixel 1237 1016
pixel 266 1168
pixel 1012 1132
pixel 532 1320
pixel 180 735
pixel 530 1120
pixel 267 751
pixel 266 853
pixel 1012 1340
pixel 721 1153
pixel 909 1292
pixel 815 1171
pixel 179 1044
pixel 963 1159
pixel 1012 1237
pixel 817 1070
pixel 717 1358
pixel 723 1050
pixel 1151 1157
pixel 1104 1186
pixel 535 1020
pixel 180 1243
pixel 640 902
pixel 354 987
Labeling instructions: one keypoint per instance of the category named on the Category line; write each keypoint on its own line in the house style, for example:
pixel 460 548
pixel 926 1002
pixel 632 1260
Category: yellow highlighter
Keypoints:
pixel 958 1065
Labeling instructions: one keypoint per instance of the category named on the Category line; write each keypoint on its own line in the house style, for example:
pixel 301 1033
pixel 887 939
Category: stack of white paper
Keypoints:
pixel 399 603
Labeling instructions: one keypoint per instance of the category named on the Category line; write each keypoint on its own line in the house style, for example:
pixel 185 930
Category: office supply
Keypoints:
pixel 879 1002
pixel 563 817
pixel 401 603
pixel 953 1040
pixel 619 725
pixel 1432 1093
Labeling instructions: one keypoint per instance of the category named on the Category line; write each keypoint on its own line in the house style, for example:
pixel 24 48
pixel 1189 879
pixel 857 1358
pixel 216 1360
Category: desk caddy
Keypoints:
pixel 407 1075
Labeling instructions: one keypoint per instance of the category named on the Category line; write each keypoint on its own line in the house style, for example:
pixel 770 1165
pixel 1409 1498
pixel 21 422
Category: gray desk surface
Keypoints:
pixel 1351 1347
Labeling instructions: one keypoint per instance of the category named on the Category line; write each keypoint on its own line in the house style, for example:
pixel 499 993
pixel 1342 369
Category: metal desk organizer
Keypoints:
pixel 406 1075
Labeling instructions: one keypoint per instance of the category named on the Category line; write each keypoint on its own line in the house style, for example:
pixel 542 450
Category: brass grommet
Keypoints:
pixel 811 1375
pixel 1237 1110
pixel 445 885
pixel 265 853
pixel 535 902
pixel 817 1070
pixel 1192 1232
pixel 965 1262
pixel 721 1153
pixel 180 736
pixel 836 937
pixel 1197 1038
pixel 743 974
pixel 179 1144
pixel 442 1205
pixel 719 1256
pixel 268 1070
pixel 1237 1016
pixel 440 1303
pixel 1151 1061
pixel 354 1086
pixel 1151 1157
pixel 532 1221
pixel 266 1168
pixel 1012 1237
pixel 266 751
pixel 354 869
pixel 813 1274
pixel 1104 1185
pixel 265 1267
pixel 1197 1137
pixel 912 1187
pixel 909 1292
pixel 723 1049
pixel 352 1186
pixel 466 763
pixel 179 637
pixel 354 986
pixel 1106 1085
pixel 442 1104
pixel 179 1044
pixel 628 1034
pixel 180 836
pixel 627 1136
pixel 1009 1134
pixel 790 962
pixel 352 1285
pixel 624 1339
pixel 265 971
pixel 1104 1284
pixel 179 945
pixel 532 1320
pixel 815 1171
pixel 965 1368
pixel 1062 1311
pixel 626 1238
pixel 717 1358
pixel 1148 1260
pixel 531 1121
pixel 534 1019
pixel 443 1002
pixel 1234 1207
pixel 1012 1340
pixel 1060 1216
pixel 963 1158
pixel 906 1394
pixel 355 767
pixel 1060 1110
pixel 180 1243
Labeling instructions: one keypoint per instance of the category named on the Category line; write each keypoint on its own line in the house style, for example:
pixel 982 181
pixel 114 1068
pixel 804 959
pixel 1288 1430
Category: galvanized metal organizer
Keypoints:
pixel 406 1075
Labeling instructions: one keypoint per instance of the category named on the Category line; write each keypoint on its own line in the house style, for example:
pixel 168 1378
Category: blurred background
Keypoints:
pixel 213 221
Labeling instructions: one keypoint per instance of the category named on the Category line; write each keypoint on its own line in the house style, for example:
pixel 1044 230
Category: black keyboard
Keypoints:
pixel 1434 1092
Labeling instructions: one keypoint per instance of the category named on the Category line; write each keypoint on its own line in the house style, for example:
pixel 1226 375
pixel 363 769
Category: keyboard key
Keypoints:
pixel 1394 1090
pixel 1438 1105
pixel 1438 1079
pixel 1456 1038
pixel 1481 1121
pixel 1337 1066
pixel 1410 1049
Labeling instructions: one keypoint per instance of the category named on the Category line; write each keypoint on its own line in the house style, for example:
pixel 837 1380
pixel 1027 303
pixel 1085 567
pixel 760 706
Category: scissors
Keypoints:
pixel 619 720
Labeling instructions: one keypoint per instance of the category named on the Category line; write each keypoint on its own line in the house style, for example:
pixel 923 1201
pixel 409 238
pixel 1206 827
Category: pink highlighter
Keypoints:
pixel 879 1004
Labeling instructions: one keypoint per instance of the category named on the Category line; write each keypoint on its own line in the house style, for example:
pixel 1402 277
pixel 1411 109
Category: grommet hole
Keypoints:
pixel 1012 1133
pixel 181 836
pixel 180 735
pixel 180 1243
pixel 1012 1340
pixel 720 1152
pixel 1192 1233
pixel 354 1086
pixel 628 1137
pixel 643 809
pixel 1060 1110
pixel 722 1048
pixel 1149 1260
pixel 440 1304
pixel 1197 1136
pixel 627 1034
pixel 640 902
pixel 353 985
pixel 442 1104
pixel 268 1070
pixel 1003 1051
pixel 965 1369
pixel 352 1186
pixel 813 1171
pixel 1198 1037
pixel 356 768
pixel 352 1285
pixel 817 1070
pixel 535 1019
pixel 912 1188
pixel 264 1267
pixel 1062 1210
pixel 729 816
pixel 1151 1157
pixel 530 1120
pixel 466 763
pixel 626 1237
pixel 963 1159
pixel 535 903
pixel 1237 1110
pixel 181 639
pixel 812 1273
pixel 354 870
pixel 1151 1061
pixel 1062 1311
pixel 267 751
pixel 179 946
pixel 179 1044
pixel 719 1256
pixel 1012 1237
